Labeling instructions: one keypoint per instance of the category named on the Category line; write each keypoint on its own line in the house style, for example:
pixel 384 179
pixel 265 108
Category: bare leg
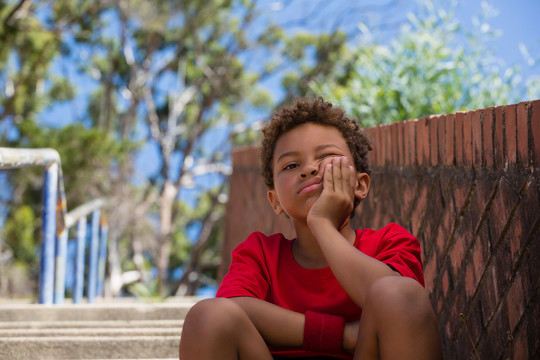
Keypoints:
pixel 398 322
pixel 220 329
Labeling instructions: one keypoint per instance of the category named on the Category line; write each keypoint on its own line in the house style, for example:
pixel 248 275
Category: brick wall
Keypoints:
pixel 468 186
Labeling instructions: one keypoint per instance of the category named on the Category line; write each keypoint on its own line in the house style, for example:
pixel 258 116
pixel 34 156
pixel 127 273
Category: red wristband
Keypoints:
pixel 323 332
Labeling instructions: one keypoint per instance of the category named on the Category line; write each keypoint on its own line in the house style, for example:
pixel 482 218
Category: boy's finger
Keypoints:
pixel 345 173
pixel 352 181
pixel 336 172
pixel 328 178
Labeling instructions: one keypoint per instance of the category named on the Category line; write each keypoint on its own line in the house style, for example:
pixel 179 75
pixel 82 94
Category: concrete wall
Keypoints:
pixel 468 186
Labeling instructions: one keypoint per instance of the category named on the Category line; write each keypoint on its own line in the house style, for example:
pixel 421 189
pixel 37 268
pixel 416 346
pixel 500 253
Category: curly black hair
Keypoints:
pixel 316 111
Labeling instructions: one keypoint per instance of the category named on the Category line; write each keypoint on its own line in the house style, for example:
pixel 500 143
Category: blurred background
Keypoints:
pixel 144 101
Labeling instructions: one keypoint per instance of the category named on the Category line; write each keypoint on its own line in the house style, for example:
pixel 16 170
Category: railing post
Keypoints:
pixel 79 261
pixel 60 267
pixel 50 186
pixel 93 267
pixel 102 255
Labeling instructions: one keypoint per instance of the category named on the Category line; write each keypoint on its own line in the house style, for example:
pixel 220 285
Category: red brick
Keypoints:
pixel 526 216
pixel 489 295
pixel 460 117
pixel 422 140
pixel 479 202
pixel 409 193
pixel 393 144
pixel 498 138
pixel 412 142
pixel 372 133
pixel 449 140
pixel 445 228
pixel 520 348
pixel 511 133
pixel 430 271
pixel 535 130
pixel 420 210
pixel 487 129
pixel 476 137
pixel 504 201
pixel 467 140
pixel 457 253
pixel 523 133
pixel 495 338
pixel 406 144
pixel 400 145
pixel 375 141
pixel 460 194
pixel 470 281
pixel 376 147
pixel 380 145
pixel 387 132
pixel 445 283
pixel 480 256
pixel 515 302
pixel 434 140
pixel 441 136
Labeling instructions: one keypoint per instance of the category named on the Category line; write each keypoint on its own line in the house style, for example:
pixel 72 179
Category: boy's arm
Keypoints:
pixel 354 270
pixel 278 326
pixel 282 327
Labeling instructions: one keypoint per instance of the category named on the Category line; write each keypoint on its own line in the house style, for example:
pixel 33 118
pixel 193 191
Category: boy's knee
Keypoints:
pixel 399 296
pixel 212 313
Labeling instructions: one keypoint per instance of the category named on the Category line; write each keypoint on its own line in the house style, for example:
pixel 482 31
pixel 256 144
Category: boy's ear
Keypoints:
pixel 274 201
pixel 362 186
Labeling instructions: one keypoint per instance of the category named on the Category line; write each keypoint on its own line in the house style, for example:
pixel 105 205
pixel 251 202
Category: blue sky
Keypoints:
pixel 518 21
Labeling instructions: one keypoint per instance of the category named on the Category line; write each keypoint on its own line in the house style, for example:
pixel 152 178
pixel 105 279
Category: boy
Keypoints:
pixel 332 292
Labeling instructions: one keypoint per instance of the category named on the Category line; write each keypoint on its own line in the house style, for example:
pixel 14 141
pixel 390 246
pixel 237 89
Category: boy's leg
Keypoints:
pixel 220 329
pixel 398 322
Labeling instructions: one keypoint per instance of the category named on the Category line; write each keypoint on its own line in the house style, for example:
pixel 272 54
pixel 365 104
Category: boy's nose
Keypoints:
pixel 310 169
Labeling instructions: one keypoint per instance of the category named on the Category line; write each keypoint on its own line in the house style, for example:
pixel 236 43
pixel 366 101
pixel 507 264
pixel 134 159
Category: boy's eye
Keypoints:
pixel 290 166
pixel 329 155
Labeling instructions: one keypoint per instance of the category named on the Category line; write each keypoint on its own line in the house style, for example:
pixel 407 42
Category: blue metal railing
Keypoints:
pixel 56 223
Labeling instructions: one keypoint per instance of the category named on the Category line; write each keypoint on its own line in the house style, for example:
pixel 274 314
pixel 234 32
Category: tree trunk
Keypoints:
pixel 165 233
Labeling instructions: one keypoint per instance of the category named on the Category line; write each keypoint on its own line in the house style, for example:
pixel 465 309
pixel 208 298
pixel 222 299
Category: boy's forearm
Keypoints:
pixel 354 270
pixel 278 326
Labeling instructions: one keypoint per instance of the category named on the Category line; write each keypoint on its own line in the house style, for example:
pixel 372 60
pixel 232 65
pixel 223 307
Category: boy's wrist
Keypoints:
pixel 323 332
pixel 320 222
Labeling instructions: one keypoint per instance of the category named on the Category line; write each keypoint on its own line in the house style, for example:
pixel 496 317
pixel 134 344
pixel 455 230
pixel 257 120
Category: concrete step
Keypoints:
pixel 89 312
pixel 117 331
pixel 90 324
pixel 114 330
pixel 89 347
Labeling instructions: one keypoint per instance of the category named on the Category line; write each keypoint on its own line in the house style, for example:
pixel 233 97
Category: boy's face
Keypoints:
pixel 300 157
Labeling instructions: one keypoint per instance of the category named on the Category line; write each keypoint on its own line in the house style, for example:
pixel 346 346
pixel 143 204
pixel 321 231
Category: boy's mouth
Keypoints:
pixel 310 185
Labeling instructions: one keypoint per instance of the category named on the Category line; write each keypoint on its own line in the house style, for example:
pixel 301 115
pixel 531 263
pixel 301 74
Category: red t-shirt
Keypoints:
pixel 263 267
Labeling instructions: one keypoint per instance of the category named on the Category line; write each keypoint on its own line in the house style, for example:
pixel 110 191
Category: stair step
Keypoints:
pixel 90 324
pixel 124 330
pixel 89 347
pixel 56 332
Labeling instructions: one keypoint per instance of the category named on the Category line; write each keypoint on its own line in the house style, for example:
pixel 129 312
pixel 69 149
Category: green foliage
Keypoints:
pixel 20 237
pixel 424 71
pixel 87 156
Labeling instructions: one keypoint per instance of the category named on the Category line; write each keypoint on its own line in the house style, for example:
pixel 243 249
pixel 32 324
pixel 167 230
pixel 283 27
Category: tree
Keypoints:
pixel 425 71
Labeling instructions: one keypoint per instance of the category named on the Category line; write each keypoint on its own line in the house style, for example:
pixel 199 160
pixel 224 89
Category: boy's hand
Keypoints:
pixel 350 336
pixel 336 201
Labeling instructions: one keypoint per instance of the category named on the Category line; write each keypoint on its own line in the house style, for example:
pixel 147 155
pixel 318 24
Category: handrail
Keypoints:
pixel 56 223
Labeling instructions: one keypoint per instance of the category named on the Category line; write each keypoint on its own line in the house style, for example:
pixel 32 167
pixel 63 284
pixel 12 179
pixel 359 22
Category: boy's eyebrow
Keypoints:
pixel 318 148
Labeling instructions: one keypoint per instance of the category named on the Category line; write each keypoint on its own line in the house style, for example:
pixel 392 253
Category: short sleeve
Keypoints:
pixel 248 274
pixel 400 250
